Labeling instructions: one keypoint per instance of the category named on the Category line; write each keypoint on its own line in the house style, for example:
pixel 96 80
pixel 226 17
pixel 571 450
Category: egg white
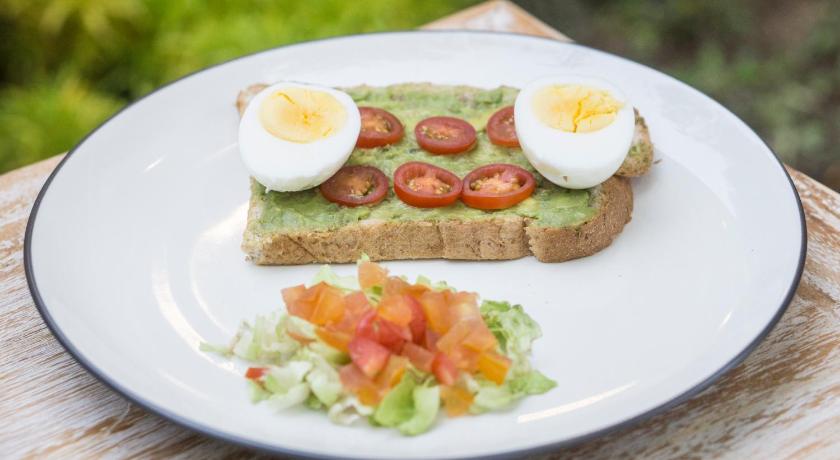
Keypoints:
pixel 573 160
pixel 285 166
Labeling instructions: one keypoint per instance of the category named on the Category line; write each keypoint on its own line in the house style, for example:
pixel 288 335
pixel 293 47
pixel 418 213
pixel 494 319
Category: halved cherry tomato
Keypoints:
pixel 445 135
pixel 255 373
pixel 494 366
pixel 355 186
pixel 497 186
pixel 420 357
pixel 426 186
pixel 379 127
pixel 456 400
pixel 368 355
pixel 371 274
pixel 501 129
pixel 444 369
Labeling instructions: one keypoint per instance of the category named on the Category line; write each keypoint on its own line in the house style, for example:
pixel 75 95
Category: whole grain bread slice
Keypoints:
pixel 493 238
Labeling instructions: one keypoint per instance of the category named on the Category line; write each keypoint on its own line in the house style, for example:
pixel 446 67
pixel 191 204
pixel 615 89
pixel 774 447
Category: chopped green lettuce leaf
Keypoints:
pixel 398 405
pixel 409 407
pixel 347 410
pixel 224 350
pixel 426 405
pixel 327 275
pixel 530 383
pixel 513 328
pixel 257 392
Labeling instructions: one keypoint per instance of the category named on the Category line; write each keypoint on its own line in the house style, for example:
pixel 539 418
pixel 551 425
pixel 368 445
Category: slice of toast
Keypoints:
pixel 490 235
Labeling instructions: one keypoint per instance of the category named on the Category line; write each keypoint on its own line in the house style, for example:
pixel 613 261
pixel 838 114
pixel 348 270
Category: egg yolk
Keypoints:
pixel 575 108
pixel 302 115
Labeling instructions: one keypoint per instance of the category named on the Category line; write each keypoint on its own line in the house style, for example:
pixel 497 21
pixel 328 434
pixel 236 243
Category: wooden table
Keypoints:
pixel 782 402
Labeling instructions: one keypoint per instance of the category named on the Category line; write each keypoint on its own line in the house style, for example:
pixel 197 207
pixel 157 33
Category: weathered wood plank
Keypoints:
pixel 782 402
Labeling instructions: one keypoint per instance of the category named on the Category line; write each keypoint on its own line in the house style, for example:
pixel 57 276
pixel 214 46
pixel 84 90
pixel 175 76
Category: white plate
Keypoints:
pixel 132 253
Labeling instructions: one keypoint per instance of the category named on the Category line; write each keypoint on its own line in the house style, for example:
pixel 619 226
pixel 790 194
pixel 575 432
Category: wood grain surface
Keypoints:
pixel 782 402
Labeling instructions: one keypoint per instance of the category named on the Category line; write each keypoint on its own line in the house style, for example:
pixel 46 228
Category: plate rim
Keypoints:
pixel 201 428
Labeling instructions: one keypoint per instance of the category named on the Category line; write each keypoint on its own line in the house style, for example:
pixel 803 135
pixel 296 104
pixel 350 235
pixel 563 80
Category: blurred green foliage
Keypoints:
pixel 65 65
pixel 775 63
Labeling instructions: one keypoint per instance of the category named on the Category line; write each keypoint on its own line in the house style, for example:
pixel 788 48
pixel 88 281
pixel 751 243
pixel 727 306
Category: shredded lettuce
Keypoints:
pixel 409 407
pixel 327 275
pixel 347 410
pixel 303 370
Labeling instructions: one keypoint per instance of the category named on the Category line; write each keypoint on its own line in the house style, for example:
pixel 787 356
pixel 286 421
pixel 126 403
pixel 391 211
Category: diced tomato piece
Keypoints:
pixel 418 320
pixel 456 335
pixel 292 294
pixel 329 306
pixel 456 400
pixel 368 355
pixel 480 338
pixel 337 339
pixel 392 335
pixel 493 366
pixel 395 285
pixel 356 303
pixel 416 290
pixel 384 332
pixel 462 305
pixel 255 373
pixel 435 307
pixel 396 309
pixel 371 274
pixel 356 306
pixel 392 374
pixel 296 305
pixel 464 358
pixel 431 340
pixel 444 369
pixel 359 384
pixel 420 357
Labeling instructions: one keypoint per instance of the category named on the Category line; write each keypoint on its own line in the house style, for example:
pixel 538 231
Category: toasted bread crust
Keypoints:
pixel 493 238
pixel 484 239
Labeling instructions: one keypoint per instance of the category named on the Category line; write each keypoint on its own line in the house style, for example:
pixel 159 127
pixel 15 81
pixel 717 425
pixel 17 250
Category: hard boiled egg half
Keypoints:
pixel 294 136
pixel 575 130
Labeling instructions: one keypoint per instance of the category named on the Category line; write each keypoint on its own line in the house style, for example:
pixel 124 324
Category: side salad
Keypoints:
pixel 378 347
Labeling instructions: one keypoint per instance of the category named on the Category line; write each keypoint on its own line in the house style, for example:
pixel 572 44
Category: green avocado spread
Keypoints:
pixel 550 205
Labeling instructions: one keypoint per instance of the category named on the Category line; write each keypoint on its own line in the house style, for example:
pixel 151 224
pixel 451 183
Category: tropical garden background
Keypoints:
pixel 66 65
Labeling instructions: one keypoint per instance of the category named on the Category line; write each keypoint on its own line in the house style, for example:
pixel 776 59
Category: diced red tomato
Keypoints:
pixel 355 307
pixel 368 355
pixel 291 294
pixel 431 340
pixel 333 337
pixel 371 274
pixel 392 374
pixel 394 285
pixel 435 308
pixel 419 357
pixel 396 309
pixel 444 369
pixel 418 320
pixel 382 331
pixel 493 366
pixel 359 384
pixel 456 400
pixel 416 290
pixel 255 373
pixel 480 338
pixel 464 358
pixel 462 305
pixel 456 335
pixel 329 306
